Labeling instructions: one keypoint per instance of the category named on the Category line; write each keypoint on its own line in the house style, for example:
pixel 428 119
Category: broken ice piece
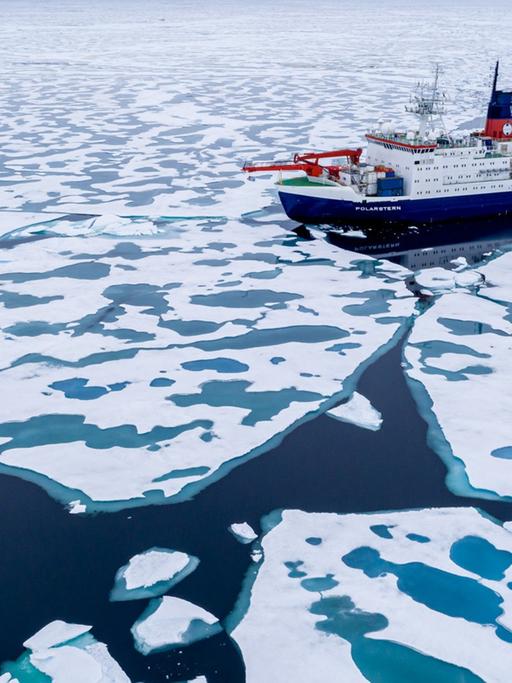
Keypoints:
pixel 152 573
pixel 359 411
pixel 171 622
pixel 243 532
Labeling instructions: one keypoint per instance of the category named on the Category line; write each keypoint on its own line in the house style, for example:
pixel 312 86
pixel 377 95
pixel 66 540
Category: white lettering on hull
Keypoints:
pixel 378 208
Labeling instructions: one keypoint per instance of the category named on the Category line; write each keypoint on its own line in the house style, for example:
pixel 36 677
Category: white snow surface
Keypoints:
pixel 359 411
pixel 278 620
pixel 67 652
pixel 169 141
pixel 153 566
pixel 55 633
pixel 467 374
pixel 75 507
pixel 169 624
pixel 243 532
pixel 145 332
pixel 497 278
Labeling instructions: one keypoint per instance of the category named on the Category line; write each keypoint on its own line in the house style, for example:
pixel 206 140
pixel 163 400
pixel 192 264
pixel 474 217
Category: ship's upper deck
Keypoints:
pixel 413 140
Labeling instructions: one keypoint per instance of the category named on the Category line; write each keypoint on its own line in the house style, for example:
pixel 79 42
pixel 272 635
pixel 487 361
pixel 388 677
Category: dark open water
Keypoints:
pixel 58 566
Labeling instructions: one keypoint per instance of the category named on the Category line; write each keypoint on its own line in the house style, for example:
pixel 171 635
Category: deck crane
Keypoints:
pixel 309 163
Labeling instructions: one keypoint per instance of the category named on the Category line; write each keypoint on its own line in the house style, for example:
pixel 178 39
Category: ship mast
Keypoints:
pixel 427 103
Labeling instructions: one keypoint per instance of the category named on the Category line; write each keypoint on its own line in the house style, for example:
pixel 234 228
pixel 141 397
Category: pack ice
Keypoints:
pixel 151 367
pixel 458 363
pixel 419 595
pixel 64 653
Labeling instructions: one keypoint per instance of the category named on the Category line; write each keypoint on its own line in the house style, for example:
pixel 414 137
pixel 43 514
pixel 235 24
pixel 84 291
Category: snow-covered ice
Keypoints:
pixel 166 360
pixel 152 573
pixel 458 357
pixel 243 532
pixel 359 411
pixel 55 633
pixel 7 678
pixel 437 280
pixel 64 653
pixel 170 622
pixel 75 507
pixel 419 595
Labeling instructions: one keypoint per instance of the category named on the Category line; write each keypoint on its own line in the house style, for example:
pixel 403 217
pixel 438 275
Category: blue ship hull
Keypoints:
pixel 317 211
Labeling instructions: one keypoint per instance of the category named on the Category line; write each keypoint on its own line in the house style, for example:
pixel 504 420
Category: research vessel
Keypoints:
pixel 413 176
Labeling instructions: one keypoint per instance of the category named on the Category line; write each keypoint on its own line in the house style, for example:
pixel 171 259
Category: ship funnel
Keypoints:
pixel 499 112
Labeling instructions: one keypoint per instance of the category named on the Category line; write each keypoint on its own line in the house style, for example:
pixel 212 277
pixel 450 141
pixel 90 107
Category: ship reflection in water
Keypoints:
pixel 431 246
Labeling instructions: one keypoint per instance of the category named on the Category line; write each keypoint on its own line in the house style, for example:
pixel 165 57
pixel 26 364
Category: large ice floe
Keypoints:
pixel 151 367
pixel 169 623
pixel 64 653
pixel 418 596
pixel 152 573
pixel 458 363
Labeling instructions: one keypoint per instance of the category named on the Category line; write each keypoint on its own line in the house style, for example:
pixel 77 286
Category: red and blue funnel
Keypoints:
pixel 499 113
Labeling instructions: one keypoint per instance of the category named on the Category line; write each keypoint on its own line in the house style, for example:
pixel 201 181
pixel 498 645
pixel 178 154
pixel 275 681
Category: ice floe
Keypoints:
pixel 155 358
pixel 359 411
pixel 497 278
pixel 243 532
pixel 64 652
pixel 170 622
pixel 55 633
pixel 152 573
pixel 419 595
pixel 458 356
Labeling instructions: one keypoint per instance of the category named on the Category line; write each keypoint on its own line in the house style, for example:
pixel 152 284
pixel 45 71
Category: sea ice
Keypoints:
pixel 152 573
pixel 458 356
pixel 497 278
pixel 65 652
pixel 436 280
pixel 55 633
pixel 76 507
pixel 155 358
pixel 336 599
pixel 171 622
pixel 15 220
pixel 359 411
pixel 243 532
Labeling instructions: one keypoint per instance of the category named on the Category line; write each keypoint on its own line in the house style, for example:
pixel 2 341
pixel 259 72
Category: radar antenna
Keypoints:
pixel 428 103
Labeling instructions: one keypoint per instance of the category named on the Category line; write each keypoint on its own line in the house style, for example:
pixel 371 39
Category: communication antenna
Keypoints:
pixel 428 103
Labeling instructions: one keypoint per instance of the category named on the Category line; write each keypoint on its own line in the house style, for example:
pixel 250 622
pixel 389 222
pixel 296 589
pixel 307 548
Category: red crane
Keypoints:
pixel 309 163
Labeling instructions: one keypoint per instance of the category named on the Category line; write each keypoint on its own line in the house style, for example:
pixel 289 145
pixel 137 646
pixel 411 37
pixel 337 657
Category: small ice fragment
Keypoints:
pixel 256 554
pixel 7 678
pixel 243 532
pixel 359 411
pixel 170 623
pixel 119 225
pixel 355 233
pixel 152 573
pixel 435 279
pixel 460 262
pixel 469 278
pixel 75 507
pixel 55 633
